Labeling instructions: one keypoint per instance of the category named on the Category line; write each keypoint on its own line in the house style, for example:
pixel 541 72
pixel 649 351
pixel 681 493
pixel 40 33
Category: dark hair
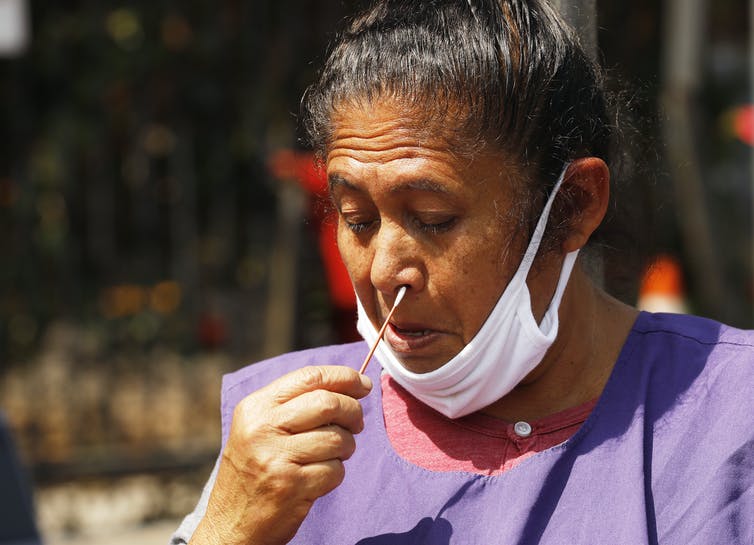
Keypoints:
pixel 511 74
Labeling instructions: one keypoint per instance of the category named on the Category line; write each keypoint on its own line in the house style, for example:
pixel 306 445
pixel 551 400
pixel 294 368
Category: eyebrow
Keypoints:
pixel 334 181
pixel 420 184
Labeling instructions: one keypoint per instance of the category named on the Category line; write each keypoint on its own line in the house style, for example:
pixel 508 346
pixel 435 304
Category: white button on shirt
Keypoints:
pixel 522 429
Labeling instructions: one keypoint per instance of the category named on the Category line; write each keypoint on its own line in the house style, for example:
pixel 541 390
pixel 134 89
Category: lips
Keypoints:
pixel 410 338
pixel 411 332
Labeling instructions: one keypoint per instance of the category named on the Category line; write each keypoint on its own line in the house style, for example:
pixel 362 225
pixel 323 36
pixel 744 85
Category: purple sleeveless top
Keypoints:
pixel 667 456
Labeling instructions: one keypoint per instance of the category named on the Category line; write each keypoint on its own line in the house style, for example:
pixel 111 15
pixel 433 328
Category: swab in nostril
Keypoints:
pixel 398 299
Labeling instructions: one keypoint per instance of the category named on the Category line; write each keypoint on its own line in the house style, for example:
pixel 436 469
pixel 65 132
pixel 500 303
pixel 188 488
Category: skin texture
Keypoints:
pixel 413 213
pixel 286 448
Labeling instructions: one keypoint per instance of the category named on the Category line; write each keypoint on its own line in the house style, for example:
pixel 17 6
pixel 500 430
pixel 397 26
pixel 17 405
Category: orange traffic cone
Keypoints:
pixel 662 288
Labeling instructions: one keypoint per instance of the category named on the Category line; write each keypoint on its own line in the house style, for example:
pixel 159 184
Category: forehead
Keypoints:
pixel 372 124
pixel 384 139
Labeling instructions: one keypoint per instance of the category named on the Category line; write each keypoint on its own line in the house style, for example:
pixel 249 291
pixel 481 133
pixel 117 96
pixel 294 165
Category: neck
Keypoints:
pixel 593 328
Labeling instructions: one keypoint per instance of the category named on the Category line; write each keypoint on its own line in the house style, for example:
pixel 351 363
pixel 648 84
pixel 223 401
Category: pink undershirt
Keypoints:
pixel 476 443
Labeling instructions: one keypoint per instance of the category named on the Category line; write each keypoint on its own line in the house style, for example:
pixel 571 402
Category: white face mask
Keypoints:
pixel 508 347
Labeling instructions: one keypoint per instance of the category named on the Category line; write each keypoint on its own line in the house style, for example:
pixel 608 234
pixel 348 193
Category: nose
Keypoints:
pixel 396 261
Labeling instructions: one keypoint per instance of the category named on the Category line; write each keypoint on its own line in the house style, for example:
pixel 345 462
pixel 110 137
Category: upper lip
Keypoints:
pixel 410 326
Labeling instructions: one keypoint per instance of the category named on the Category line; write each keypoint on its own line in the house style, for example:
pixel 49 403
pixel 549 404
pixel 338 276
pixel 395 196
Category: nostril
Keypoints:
pixel 401 293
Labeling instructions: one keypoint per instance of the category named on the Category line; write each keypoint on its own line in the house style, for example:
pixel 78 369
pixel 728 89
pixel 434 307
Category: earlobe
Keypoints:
pixel 587 182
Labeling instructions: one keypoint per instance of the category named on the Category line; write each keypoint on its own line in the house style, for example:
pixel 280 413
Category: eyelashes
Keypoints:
pixel 432 228
pixel 437 227
pixel 358 227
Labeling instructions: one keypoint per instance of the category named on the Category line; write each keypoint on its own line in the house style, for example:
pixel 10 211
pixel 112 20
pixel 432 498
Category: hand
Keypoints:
pixel 286 448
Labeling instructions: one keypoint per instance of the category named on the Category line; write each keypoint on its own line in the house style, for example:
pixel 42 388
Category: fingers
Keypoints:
pixel 286 448
pixel 306 399
pixel 319 408
pixel 321 444
pixel 320 478
pixel 334 378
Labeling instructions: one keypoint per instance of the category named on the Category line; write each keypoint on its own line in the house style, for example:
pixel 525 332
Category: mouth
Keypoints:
pixel 411 332
pixel 410 338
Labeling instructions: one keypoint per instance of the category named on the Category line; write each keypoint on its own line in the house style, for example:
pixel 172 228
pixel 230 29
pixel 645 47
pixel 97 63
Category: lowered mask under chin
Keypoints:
pixel 509 345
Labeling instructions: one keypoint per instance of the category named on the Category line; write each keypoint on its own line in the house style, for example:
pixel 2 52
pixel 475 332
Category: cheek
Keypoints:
pixel 355 256
pixel 475 260
pixel 476 277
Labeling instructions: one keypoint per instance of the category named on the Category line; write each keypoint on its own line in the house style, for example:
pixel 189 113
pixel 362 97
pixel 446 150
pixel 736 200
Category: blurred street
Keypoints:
pixel 138 509
pixel 151 534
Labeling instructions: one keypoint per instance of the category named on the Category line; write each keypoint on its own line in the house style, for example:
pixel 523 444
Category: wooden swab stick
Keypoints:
pixel 398 298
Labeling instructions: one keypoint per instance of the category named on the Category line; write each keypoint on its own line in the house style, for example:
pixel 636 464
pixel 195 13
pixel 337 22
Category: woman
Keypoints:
pixel 465 145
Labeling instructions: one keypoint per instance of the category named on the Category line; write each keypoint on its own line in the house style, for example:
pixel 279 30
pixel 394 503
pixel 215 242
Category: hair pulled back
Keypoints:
pixel 510 72
pixel 502 73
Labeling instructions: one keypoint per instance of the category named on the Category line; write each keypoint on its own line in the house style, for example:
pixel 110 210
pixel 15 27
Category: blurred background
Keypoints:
pixel 160 223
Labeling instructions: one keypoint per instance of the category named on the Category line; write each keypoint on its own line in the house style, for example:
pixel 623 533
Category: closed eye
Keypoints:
pixel 435 227
pixel 359 226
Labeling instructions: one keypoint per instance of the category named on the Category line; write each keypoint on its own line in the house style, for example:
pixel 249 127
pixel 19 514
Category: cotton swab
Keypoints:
pixel 398 298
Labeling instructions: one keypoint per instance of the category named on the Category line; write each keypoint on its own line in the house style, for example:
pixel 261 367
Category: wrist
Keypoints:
pixel 214 532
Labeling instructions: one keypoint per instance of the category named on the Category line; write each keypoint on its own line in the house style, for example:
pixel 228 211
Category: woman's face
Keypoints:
pixel 413 213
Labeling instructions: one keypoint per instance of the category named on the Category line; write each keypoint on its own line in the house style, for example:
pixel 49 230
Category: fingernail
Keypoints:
pixel 366 382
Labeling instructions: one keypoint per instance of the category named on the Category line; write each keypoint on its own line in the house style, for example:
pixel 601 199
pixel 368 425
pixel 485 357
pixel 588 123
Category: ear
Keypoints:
pixel 587 184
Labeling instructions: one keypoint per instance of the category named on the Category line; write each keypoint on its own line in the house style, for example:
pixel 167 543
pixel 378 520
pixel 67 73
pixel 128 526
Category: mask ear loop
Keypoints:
pixel 539 230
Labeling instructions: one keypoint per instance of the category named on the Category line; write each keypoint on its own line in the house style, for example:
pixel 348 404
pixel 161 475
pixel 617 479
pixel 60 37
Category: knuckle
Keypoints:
pixel 327 402
pixel 243 408
pixel 336 475
pixel 253 434
pixel 348 447
pixel 312 376
pixel 339 442
pixel 250 411
pixel 240 429
pixel 332 437
pixel 357 410
pixel 353 413
pixel 326 479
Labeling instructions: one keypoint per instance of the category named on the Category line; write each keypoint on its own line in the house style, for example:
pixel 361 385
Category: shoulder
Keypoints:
pixel 687 367
pixel 686 338
pixel 694 395
pixel 675 348
pixel 695 328
pixel 679 370
pixel 240 383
